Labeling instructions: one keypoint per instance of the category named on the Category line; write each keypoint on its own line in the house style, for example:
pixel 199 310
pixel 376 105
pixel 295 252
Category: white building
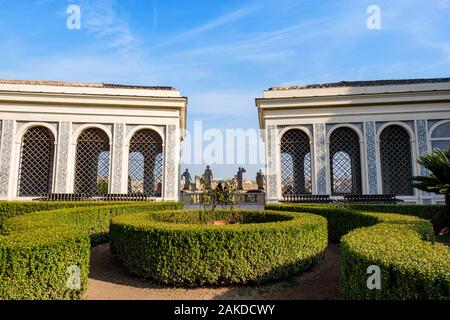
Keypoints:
pixel 89 138
pixel 359 137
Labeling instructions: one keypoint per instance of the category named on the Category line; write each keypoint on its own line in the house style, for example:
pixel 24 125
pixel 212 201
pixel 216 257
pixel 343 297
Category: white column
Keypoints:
pixel 422 145
pixel 62 154
pixel 6 158
pixel 118 153
pixel 369 131
pixel 321 159
pixel 172 156
pixel 272 179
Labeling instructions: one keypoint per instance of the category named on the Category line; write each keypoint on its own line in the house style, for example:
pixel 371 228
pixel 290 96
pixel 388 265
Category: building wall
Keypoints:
pixel 67 116
pixel 426 120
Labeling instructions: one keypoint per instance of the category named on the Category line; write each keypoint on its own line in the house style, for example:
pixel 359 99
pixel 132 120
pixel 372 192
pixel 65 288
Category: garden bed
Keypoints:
pixel 185 248
pixel 402 246
pixel 40 251
pixel 189 248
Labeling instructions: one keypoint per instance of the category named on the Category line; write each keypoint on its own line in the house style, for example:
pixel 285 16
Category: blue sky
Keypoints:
pixel 223 54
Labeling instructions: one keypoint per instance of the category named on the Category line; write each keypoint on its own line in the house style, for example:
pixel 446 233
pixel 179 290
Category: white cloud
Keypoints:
pixel 102 19
pixel 218 22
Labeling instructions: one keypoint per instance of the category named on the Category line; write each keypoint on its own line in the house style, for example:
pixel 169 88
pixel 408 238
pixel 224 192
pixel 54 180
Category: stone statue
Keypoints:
pixel 207 178
pixel 260 180
pixel 187 179
pixel 240 178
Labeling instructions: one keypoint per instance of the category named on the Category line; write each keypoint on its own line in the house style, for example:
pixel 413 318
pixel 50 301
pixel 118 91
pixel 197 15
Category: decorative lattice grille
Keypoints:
pixel 296 173
pixel 92 162
pixel 36 162
pixel 345 161
pixel 396 161
pixel 145 163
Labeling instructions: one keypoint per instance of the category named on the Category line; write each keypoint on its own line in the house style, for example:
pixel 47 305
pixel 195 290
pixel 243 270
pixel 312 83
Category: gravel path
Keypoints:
pixel 108 281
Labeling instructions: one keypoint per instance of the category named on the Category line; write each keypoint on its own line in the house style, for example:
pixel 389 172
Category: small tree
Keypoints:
pixel 437 181
pixel 226 196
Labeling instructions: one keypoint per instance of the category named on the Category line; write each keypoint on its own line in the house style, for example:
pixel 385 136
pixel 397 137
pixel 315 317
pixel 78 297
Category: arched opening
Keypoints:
pixel 396 161
pixel 345 162
pixel 92 162
pixel 296 172
pixel 440 136
pixel 36 162
pixel 145 163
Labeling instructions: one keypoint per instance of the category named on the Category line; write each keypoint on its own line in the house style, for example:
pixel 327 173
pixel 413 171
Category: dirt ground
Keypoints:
pixel 108 281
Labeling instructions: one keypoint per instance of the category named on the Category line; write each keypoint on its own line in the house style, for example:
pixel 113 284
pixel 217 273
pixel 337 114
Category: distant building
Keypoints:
pixel 360 137
pixel 250 185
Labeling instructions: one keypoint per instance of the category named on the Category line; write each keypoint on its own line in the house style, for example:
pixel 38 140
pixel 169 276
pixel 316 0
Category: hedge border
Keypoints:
pixel 412 265
pixel 40 246
pixel 178 252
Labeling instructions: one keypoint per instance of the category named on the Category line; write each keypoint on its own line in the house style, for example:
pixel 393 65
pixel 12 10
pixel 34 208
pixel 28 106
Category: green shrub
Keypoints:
pixel 411 266
pixel 422 211
pixel 411 269
pixel 9 209
pixel 181 248
pixel 40 247
pixel 340 221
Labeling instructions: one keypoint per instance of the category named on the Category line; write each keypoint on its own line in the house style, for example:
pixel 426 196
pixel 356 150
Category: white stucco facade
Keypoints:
pixel 67 109
pixel 420 107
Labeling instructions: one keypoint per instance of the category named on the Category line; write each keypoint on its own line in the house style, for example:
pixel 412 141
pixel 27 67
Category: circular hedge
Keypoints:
pixel 412 266
pixel 186 248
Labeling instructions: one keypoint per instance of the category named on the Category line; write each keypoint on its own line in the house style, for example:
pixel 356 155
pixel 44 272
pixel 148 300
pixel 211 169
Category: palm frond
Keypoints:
pixel 438 164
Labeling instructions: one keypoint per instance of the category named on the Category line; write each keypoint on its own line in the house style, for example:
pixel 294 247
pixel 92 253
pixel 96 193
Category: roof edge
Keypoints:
pixel 363 83
pixel 84 84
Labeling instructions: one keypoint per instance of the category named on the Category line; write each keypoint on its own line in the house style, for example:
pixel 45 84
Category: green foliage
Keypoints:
pixel 225 197
pixel 340 221
pixel 412 267
pixel 426 212
pixel 102 187
pixel 444 239
pixel 10 209
pixel 438 181
pixel 39 249
pixel 179 248
pixel 422 211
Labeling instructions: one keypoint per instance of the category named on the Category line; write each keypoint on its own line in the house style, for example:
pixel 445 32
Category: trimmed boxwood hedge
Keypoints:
pixel 422 211
pixel 9 209
pixel 39 248
pixel 411 266
pixel 181 248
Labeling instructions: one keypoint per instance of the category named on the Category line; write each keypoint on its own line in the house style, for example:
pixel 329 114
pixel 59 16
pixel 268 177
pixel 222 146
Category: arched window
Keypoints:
pixel 145 163
pixel 345 162
pixel 92 162
pixel 440 137
pixel 295 163
pixel 396 161
pixel 36 162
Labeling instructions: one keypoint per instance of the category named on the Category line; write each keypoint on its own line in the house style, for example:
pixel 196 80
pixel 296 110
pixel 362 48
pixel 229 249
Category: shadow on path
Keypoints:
pixel 109 281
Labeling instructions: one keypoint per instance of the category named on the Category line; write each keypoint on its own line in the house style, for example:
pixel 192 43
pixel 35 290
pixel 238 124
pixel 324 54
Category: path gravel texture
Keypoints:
pixel 109 281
